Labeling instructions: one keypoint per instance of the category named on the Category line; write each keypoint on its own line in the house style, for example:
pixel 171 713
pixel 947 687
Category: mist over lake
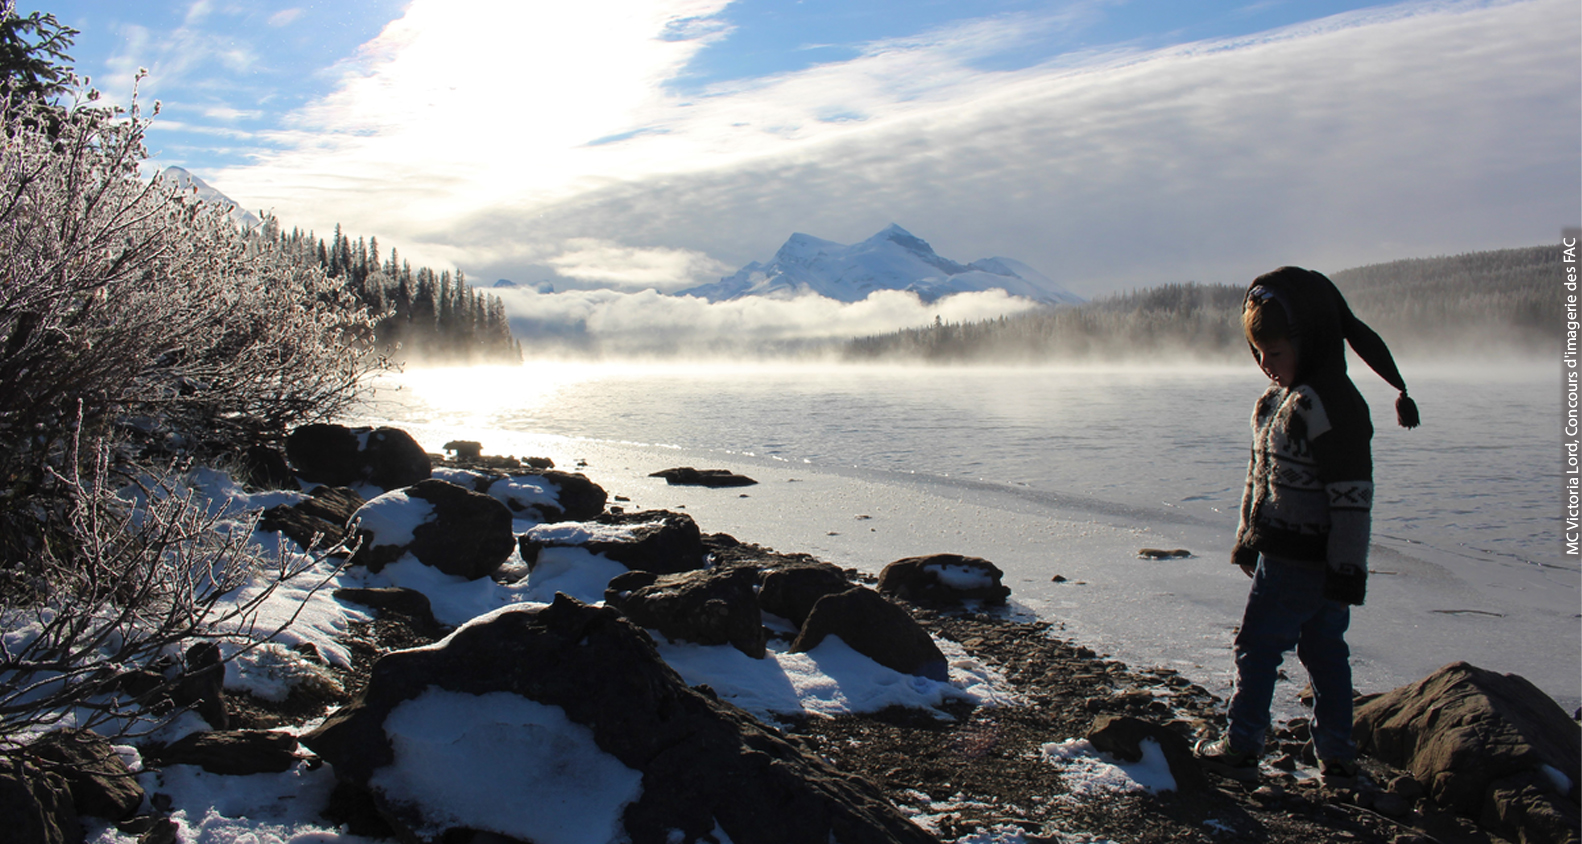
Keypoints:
pixel 1069 470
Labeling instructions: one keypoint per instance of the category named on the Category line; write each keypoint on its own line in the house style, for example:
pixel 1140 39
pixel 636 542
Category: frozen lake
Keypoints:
pixel 1069 472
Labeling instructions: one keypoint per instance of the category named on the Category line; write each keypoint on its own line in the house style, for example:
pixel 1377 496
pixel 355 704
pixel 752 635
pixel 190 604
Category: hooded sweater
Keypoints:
pixel 1309 491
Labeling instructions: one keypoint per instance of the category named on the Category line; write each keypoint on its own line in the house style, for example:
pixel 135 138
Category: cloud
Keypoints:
pixel 619 324
pixel 1412 130
pixel 284 17
pixel 610 264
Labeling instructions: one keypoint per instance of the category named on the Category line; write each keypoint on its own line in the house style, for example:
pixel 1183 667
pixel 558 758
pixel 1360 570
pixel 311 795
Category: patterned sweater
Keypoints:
pixel 1309 494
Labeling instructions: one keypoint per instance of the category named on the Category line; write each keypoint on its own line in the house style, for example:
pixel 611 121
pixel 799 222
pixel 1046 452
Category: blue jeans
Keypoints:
pixel 1286 609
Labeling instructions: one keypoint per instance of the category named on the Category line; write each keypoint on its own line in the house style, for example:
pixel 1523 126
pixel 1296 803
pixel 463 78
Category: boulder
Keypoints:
pixel 688 476
pixel 580 498
pixel 467 451
pixel 101 784
pixel 872 626
pixel 265 467
pixel 202 684
pixel 1488 746
pixel 709 607
pixel 658 541
pixel 410 605
pixel 790 590
pixel 572 702
pixel 545 495
pixel 36 806
pixel 231 752
pixel 943 578
pixel 1121 736
pixel 387 458
pixel 455 530
pixel 326 514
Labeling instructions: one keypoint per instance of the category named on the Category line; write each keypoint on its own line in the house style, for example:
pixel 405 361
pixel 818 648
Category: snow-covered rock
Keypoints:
pixel 448 527
pixel 943 578
pixel 570 707
pixel 893 259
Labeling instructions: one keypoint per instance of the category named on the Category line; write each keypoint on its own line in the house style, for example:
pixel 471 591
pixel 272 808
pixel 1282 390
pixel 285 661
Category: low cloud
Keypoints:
pixel 603 263
pixel 620 324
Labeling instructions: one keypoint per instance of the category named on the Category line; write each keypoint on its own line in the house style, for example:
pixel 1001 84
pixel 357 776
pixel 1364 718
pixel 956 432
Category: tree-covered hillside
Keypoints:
pixel 1501 300
pixel 420 316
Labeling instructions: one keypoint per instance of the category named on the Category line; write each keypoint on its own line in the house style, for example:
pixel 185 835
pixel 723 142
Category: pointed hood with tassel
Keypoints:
pixel 1322 325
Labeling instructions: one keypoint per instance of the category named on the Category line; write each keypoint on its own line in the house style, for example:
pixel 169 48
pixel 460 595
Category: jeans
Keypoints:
pixel 1286 609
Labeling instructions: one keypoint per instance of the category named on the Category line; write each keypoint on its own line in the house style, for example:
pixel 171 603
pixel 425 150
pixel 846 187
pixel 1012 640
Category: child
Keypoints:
pixel 1305 515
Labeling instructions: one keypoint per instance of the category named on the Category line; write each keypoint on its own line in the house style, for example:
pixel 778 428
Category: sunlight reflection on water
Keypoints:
pixel 1174 437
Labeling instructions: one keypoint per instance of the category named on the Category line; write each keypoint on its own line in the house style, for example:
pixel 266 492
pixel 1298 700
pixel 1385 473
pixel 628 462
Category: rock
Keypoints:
pixel 410 604
pixel 325 454
pixel 232 752
pixel 658 541
pixel 1525 803
pixel 688 476
pixel 709 607
pixel 543 496
pixel 1121 736
pixel 161 831
pixel 689 763
pixel 202 684
pixel 36 806
pixel 336 455
pixel 455 530
pixel 1162 554
pixel 872 626
pixel 580 498
pixel 790 590
pixel 264 467
pixel 1482 743
pixel 1391 805
pixel 468 451
pixel 326 514
pixel 101 784
pixel 943 578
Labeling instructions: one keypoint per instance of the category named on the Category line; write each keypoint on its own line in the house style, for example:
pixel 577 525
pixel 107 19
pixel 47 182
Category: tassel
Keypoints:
pixel 1406 411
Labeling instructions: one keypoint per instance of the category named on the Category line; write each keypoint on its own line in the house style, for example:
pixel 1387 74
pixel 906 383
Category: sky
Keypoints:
pixel 634 144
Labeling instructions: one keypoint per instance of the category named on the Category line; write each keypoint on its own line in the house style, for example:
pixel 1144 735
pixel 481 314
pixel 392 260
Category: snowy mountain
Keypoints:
pixel 188 182
pixel 893 259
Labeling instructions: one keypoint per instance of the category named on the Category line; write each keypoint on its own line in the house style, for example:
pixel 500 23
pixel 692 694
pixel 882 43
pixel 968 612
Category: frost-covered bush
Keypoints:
pixel 150 571
pixel 144 312
pixel 138 325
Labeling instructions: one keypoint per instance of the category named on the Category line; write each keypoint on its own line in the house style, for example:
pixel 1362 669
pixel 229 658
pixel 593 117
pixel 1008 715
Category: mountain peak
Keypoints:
pixel 892 259
pixel 902 238
pixel 185 181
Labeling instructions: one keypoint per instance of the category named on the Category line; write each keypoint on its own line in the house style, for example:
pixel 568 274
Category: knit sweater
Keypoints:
pixel 1309 492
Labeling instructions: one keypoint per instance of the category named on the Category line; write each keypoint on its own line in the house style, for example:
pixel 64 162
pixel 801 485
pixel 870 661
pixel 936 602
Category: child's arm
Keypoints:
pixel 1345 466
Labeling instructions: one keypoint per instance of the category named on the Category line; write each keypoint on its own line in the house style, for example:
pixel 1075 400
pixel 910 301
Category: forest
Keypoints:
pixel 1492 302
pixel 419 316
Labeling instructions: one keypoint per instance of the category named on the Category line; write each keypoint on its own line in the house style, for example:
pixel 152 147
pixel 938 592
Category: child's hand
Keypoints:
pixel 1246 558
pixel 1347 584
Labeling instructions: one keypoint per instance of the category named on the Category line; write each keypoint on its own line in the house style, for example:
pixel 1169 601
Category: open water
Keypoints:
pixel 1067 470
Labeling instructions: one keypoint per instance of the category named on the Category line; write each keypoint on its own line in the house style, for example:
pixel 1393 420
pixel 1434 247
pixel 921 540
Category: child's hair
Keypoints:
pixel 1264 319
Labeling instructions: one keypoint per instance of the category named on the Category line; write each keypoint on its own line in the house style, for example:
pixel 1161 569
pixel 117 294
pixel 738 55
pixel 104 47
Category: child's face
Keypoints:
pixel 1278 360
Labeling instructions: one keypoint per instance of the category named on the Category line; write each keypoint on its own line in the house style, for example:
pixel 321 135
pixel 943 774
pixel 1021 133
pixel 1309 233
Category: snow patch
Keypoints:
pixel 575 571
pixel 961 578
pixel 392 516
pixel 581 533
pixel 469 760
pixel 1089 773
